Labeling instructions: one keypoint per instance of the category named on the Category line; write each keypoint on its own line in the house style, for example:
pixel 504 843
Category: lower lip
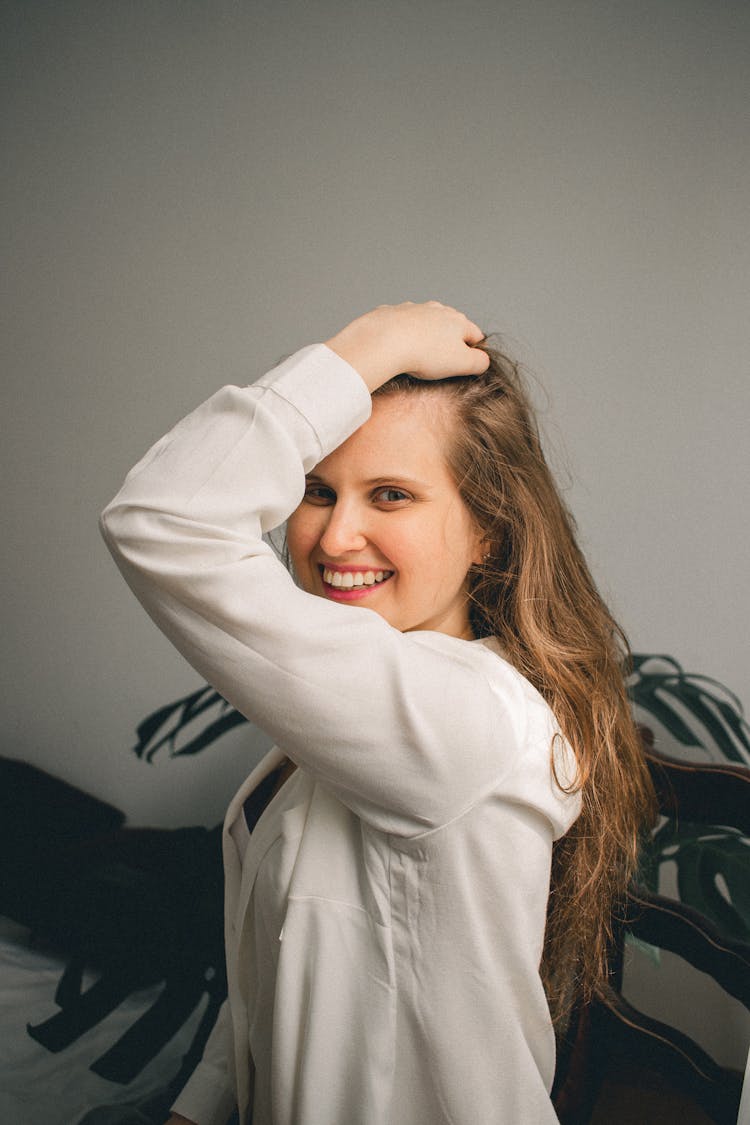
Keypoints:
pixel 354 593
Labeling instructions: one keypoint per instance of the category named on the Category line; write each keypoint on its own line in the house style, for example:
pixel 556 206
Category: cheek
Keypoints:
pixel 462 543
pixel 302 536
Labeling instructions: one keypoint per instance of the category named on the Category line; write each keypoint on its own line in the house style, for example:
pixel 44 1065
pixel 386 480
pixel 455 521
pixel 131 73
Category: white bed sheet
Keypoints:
pixel 41 1088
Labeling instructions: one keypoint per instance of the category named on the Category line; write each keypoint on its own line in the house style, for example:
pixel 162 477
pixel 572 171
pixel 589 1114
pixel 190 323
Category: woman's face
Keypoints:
pixel 383 525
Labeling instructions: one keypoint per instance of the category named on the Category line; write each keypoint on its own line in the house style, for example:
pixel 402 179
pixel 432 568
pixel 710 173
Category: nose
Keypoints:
pixel 345 530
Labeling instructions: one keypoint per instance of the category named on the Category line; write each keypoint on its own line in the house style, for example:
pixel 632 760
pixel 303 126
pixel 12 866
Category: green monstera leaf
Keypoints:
pixel 701 863
pixel 696 710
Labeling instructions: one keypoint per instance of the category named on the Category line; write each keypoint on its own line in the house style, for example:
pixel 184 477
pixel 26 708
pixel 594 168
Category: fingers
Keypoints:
pixel 480 361
pixel 473 334
pixel 446 341
pixel 476 361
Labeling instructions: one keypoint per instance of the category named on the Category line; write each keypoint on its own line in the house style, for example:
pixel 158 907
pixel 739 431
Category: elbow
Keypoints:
pixel 109 526
pixel 105 526
pixel 117 525
pixel 142 539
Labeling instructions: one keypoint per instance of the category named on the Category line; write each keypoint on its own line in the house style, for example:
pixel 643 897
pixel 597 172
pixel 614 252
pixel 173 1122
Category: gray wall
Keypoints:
pixel 195 189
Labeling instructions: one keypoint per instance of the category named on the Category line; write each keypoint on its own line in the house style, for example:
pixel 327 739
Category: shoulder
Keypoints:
pixel 534 764
pixel 486 658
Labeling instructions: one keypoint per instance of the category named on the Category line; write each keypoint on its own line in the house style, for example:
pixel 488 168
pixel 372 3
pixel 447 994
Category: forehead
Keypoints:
pixel 406 433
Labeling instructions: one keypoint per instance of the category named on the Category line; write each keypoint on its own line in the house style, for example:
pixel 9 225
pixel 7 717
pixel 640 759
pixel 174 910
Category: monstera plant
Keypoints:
pixel 706 721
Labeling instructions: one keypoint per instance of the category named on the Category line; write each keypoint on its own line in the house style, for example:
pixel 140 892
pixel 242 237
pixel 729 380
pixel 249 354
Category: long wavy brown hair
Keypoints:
pixel 535 593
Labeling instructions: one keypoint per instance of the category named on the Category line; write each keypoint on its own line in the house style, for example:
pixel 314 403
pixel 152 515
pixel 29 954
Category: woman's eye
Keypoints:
pixel 319 494
pixel 391 496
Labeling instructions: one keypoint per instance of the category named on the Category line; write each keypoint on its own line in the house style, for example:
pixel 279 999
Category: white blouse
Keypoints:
pixel 385 919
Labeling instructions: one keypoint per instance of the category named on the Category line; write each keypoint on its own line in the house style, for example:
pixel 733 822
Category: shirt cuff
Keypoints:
pixel 341 403
pixel 206 1098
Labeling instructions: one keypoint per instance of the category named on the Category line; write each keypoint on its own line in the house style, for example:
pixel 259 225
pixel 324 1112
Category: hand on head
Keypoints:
pixel 429 341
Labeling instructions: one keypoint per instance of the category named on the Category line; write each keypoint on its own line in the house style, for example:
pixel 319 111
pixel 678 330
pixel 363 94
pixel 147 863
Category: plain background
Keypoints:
pixel 193 190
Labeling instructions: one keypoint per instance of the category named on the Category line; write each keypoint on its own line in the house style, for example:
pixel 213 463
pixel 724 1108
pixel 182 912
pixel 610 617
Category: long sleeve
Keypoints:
pixel 408 730
pixel 208 1097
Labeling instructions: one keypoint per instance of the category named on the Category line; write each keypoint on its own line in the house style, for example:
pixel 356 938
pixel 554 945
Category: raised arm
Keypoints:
pixel 407 729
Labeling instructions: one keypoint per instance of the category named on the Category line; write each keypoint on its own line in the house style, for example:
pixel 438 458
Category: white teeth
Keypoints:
pixel 348 579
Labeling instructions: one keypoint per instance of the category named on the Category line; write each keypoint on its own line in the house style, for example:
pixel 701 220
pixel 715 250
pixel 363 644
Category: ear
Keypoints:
pixel 483 549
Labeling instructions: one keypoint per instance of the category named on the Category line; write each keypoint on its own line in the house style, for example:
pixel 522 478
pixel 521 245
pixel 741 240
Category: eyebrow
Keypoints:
pixel 393 478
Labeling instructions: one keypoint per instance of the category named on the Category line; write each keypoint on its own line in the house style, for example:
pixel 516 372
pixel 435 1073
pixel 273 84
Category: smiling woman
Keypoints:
pixel 401 543
pixel 431 886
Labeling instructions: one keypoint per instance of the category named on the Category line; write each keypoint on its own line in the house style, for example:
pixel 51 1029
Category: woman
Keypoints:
pixel 396 951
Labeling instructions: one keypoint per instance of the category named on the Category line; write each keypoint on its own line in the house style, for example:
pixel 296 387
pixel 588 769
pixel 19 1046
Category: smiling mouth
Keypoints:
pixel 349 585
